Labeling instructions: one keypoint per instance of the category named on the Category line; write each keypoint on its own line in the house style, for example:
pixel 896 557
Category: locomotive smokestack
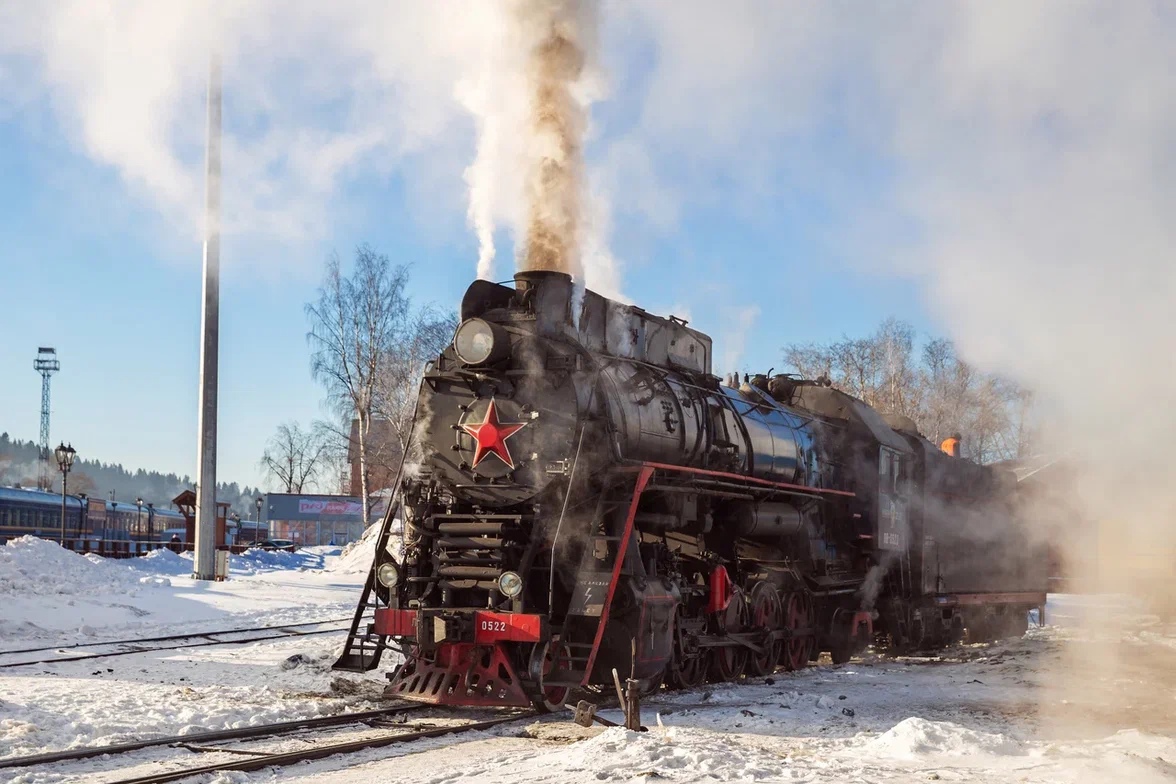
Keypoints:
pixel 549 295
pixel 530 279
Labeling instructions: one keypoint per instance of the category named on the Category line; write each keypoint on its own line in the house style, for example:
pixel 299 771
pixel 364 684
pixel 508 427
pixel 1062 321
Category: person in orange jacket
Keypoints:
pixel 951 445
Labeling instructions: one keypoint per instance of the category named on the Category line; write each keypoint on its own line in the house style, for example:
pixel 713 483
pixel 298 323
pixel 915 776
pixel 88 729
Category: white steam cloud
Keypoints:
pixel 737 324
pixel 316 96
pixel 530 97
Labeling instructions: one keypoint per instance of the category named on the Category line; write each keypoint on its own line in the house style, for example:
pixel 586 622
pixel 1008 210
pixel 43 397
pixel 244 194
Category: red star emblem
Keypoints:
pixel 490 436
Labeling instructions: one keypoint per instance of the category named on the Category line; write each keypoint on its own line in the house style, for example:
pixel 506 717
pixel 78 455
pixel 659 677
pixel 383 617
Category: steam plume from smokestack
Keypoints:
pixel 557 123
pixel 530 105
pixel 481 213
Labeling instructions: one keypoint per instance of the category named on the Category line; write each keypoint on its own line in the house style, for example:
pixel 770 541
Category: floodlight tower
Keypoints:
pixel 46 364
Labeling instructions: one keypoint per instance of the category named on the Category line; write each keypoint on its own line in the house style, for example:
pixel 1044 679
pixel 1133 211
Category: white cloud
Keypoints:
pixel 315 95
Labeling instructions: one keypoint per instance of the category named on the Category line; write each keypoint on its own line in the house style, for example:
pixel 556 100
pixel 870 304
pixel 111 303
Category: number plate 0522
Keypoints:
pixel 495 627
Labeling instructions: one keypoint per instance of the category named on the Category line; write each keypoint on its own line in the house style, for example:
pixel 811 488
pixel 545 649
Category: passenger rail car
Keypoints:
pixel 88 521
pixel 38 513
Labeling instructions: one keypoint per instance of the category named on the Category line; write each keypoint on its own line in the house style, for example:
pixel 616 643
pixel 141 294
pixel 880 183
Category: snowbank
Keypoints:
pixel 30 566
pixel 162 561
pixel 255 559
pixel 357 557
pixel 616 754
pixel 916 737
pixel 619 753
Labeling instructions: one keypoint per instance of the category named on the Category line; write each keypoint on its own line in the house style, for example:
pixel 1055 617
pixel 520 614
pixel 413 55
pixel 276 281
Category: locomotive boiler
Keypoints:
pixel 582 493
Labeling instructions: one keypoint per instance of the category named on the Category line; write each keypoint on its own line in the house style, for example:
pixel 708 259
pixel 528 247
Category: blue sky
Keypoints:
pixel 819 169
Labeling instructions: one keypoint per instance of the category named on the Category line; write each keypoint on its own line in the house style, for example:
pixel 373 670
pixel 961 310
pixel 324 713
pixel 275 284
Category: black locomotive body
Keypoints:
pixel 586 495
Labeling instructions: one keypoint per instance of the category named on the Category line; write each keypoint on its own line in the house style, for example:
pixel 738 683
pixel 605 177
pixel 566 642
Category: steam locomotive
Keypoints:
pixel 587 496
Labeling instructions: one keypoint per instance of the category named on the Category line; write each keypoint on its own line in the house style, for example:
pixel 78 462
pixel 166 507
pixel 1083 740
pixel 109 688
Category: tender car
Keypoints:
pixel 278 544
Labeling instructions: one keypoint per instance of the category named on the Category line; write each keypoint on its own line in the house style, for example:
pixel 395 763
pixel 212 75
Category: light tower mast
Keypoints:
pixel 204 560
pixel 46 364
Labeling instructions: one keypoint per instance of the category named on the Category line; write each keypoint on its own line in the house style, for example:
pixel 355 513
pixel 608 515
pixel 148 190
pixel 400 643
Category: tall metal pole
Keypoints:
pixel 204 563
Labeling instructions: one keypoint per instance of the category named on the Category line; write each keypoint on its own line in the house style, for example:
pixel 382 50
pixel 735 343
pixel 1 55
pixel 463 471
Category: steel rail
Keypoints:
pixel 281 759
pixel 165 638
pixel 84 657
pixel 238 733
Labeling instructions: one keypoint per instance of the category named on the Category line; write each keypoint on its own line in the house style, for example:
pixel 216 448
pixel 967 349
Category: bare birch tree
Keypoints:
pixel 948 386
pixel 400 373
pixel 899 390
pixel 369 348
pixel 354 325
pixel 294 458
pixel 941 393
pixel 879 369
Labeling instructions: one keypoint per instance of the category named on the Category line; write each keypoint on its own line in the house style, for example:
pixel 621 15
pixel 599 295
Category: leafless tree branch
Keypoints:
pixel 938 390
pixel 368 348
pixel 294 458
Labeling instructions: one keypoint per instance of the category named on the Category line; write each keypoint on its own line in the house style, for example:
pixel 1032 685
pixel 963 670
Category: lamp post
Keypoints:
pixel 65 458
pixel 257 522
pixel 139 522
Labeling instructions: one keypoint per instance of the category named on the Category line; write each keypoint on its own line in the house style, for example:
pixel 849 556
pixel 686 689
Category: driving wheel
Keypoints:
pixel 798 616
pixel 767 615
pixel 548 658
pixel 728 662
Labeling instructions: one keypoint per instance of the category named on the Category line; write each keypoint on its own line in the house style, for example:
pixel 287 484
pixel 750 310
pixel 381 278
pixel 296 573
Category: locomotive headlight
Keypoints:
pixel 388 573
pixel 479 342
pixel 510 584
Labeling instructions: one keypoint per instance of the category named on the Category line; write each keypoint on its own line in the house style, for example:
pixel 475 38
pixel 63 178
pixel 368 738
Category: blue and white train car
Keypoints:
pixel 38 513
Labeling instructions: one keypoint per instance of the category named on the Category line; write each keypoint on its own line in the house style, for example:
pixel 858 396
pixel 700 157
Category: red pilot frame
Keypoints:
pixel 463 672
pixel 489 627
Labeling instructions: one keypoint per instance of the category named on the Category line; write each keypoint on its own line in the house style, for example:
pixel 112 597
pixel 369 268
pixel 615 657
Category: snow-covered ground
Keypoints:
pixel 1063 704
pixel 49 596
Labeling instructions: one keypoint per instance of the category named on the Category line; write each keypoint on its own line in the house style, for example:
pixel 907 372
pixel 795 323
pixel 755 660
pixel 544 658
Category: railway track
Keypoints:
pixel 240 733
pixel 248 759
pixel 148 644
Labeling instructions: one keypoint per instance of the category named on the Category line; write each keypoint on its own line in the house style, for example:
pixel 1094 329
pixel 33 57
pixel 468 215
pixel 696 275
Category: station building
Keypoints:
pixel 310 520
